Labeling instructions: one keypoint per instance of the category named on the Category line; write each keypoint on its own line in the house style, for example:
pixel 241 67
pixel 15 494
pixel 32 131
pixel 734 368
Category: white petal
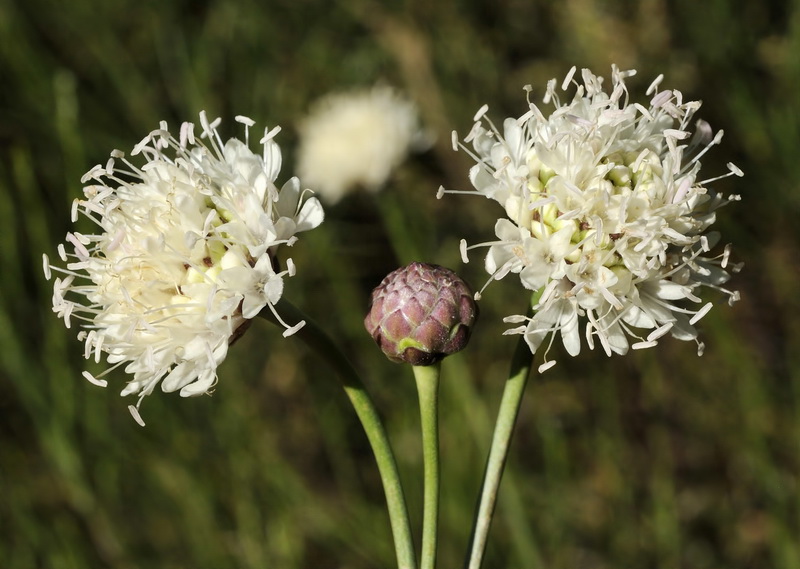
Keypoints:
pixel 273 289
pixel 289 198
pixel 570 333
pixel 252 305
pixel 668 290
pixel 204 382
pixel 311 215
pixel 180 376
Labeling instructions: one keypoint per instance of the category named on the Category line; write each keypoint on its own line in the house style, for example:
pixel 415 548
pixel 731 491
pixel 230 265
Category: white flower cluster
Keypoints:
pixel 183 257
pixel 356 139
pixel 606 217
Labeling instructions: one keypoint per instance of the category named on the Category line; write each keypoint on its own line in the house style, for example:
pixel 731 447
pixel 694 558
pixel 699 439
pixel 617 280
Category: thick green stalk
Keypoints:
pixel 503 430
pixel 318 341
pixel 428 388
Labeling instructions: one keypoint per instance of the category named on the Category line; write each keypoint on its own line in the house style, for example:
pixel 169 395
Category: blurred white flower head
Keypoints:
pixel 182 257
pixel 606 218
pixel 356 139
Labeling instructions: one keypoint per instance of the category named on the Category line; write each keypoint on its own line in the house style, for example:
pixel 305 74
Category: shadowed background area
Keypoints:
pixel 659 459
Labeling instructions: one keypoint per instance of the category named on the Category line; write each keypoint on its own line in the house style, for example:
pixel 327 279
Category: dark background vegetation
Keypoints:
pixel 659 459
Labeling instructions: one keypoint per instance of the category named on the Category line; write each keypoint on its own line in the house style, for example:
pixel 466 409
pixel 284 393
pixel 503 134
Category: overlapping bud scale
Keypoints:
pixel 421 313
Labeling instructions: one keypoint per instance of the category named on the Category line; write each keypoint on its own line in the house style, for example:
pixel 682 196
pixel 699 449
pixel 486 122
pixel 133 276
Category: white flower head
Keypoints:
pixel 183 255
pixel 606 218
pixel 356 139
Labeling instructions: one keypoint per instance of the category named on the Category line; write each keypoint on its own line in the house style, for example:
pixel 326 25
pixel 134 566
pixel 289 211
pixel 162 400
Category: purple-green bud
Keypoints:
pixel 421 313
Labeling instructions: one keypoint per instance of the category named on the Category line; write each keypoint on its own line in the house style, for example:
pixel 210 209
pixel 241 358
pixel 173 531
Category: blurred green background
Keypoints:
pixel 659 459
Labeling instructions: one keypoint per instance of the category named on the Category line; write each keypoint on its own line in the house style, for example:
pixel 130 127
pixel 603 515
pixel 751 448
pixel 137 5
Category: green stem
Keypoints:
pixel 428 387
pixel 319 342
pixel 503 430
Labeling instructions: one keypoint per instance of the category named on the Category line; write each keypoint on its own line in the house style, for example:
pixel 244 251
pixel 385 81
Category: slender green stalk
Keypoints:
pixel 503 430
pixel 318 341
pixel 428 387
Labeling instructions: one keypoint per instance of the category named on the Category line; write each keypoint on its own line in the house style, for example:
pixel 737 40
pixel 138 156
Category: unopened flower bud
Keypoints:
pixel 421 313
